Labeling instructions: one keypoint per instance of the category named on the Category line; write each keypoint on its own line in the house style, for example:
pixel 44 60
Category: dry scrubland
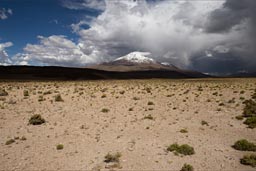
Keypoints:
pixel 128 125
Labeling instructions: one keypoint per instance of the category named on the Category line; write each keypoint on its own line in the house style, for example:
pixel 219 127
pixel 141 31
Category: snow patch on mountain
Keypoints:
pixel 137 57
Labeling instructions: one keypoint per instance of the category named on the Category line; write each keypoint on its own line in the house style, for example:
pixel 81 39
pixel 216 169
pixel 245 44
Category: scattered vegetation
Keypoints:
pixel 105 110
pixel 249 160
pixel 3 92
pixel 25 93
pixel 187 167
pixel 244 145
pixel 136 98
pixel 150 103
pixel 10 141
pixel 204 123
pixel 150 117
pixel 59 146
pixel 47 92
pixel 250 108
pixel 184 131
pixel 184 149
pixel 23 138
pixel 112 157
pixel 36 120
pixel 240 117
pixel 41 98
pixel 251 122
pixel 58 98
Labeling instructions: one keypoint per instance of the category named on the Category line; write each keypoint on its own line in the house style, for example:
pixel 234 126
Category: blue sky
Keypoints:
pixel 31 18
pixel 211 36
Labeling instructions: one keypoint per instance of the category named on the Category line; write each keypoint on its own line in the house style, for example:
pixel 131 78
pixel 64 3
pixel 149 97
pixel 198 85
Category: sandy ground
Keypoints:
pixel 89 134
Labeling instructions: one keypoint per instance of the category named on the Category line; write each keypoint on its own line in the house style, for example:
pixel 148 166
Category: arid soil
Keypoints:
pixel 137 118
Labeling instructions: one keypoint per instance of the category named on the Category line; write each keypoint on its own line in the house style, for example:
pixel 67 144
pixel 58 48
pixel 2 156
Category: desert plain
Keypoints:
pixel 137 119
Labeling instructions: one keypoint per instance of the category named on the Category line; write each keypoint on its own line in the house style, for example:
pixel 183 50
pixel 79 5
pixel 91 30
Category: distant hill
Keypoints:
pixel 62 73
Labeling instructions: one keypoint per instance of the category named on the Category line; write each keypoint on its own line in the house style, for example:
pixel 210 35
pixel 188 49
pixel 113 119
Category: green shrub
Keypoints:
pixel 58 98
pixel 250 108
pixel 3 92
pixel 136 98
pixel 249 160
pixel 149 117
pixel 47 92
pixel 59 146
pixel 244 145
pixel 187 167
pixel 112 157
pixel 184 131
pixel 251 122
pixel 10 141
pixel 184 149
pixel 204 123
pixel 239 117
pixel 36 120
pixel 104 110
pixel 25 93
pixel 150 103
pixel 41 98
pixel 23 138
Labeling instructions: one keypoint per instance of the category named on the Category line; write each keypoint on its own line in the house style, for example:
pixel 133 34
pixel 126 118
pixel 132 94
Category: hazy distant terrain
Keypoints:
pixel 139 119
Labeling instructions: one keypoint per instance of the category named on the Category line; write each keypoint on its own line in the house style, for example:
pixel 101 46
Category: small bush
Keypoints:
pixel 3 92
pixel 187 167
pixel 221 104
pixel 112 157
pixel 23 138
pixel 249 160
pixel 10 141
pixel 244 145
pixel 104 96
pixel 41 98
pixel 25 93
pixel 250 108
pixel 58 98
pixel 47 92
pixel 184 131
pixel 136 98
pixel 59 146
pixel 104 110
pixel 36 120
pixel 251 122
pixel 184 149
pixel 150 103
pixel 239 117
pixel 122 92
pixel 149 117
pixel 204 123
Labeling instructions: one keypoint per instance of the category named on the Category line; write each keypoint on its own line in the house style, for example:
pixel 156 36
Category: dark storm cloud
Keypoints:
pixel 238 19
pixel 233 13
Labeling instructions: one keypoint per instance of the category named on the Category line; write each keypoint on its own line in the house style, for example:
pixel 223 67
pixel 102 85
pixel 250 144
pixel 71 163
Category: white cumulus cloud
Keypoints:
pixel 53 50
pixel 4 58
pixel 5 13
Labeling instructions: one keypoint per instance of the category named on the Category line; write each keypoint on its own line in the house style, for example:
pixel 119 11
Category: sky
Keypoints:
pixel 210 36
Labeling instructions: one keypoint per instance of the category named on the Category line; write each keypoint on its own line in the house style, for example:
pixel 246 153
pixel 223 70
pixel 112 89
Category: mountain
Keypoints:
pixel 135 61
pixel 138 62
